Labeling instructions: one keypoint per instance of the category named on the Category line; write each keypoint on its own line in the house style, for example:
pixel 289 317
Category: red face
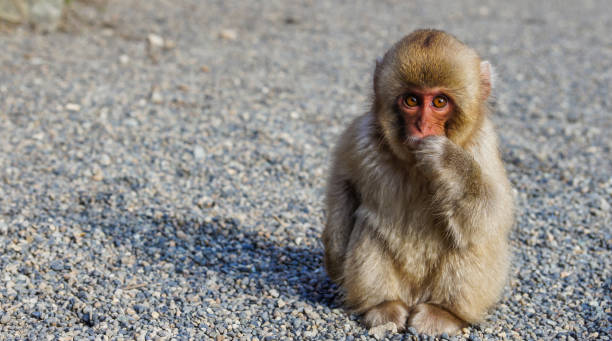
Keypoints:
pixel 425 112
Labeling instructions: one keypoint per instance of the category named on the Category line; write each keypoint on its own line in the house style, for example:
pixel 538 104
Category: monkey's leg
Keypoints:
pixel 371 280
pixel 462 290
pixel 433 320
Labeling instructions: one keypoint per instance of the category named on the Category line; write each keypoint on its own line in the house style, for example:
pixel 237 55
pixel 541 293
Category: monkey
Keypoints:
pixel 418 203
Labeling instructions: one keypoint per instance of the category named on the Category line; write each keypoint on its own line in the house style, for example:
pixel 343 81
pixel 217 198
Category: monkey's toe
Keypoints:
pixel 385 312
pixel 432 320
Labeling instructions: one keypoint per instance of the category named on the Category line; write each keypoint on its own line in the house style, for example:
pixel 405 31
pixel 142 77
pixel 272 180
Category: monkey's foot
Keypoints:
pixel 430 319
pixel 388 311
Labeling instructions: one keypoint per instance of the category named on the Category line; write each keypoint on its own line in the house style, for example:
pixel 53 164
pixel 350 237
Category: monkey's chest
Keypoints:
pixel 406 223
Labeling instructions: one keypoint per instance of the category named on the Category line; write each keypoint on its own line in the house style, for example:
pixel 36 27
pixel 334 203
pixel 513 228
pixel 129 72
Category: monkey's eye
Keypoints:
pixel 440 101
pixel 411 100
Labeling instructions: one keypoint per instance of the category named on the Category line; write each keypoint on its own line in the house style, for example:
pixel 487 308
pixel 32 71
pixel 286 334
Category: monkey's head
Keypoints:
pixel 430 83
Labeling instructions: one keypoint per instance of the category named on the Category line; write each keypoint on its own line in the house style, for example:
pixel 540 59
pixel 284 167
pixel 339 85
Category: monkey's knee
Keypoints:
pixel 430 319
pixel 388 311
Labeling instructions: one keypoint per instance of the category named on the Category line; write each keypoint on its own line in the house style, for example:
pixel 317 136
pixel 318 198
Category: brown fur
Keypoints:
pixel 385 312
pixel 421 225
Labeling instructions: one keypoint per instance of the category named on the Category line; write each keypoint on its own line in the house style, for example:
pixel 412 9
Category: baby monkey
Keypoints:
pixel 418 202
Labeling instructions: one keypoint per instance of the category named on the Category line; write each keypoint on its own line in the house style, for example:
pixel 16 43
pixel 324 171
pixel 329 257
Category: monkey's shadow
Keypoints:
pixel 238 255
pixel 216 248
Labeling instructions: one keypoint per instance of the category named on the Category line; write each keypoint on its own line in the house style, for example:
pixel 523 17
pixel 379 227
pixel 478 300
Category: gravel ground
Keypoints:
pixel 171 188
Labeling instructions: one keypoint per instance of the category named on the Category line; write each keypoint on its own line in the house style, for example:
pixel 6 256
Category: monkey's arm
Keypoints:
pixel 342 201
pixel 463 191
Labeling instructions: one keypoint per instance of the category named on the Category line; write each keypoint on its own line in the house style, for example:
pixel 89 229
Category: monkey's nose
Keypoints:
pixel 419 125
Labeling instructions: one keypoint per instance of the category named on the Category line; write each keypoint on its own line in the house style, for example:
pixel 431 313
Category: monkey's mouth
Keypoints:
pixel 412 141
pixel 415 131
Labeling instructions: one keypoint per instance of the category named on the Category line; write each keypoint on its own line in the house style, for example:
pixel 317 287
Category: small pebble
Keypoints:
pixel 124 59
pixel 155 40
pixel 73 107
pixel 228 34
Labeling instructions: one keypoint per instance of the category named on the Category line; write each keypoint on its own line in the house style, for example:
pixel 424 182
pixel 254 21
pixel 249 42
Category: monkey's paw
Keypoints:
pixel 432 320
pixel 445 164
pixel 431 155
pixel 389 311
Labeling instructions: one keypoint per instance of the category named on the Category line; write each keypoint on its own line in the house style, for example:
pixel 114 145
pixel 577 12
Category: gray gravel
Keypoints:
pixel 172 189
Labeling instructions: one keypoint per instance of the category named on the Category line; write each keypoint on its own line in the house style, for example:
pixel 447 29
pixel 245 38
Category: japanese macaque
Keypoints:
pixel 419 206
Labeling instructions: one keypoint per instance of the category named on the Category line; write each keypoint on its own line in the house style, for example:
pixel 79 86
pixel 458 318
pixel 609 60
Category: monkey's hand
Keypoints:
pixel 455 179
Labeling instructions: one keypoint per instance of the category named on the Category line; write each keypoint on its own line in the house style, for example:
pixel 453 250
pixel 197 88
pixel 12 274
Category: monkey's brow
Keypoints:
pixel 407 86
pixel 456 90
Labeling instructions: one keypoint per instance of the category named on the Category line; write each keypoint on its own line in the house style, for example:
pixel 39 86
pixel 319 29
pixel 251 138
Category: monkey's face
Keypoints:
pixel 424 112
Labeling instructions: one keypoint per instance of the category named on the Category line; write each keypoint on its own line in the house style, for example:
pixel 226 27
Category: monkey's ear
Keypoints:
pixel 487 77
